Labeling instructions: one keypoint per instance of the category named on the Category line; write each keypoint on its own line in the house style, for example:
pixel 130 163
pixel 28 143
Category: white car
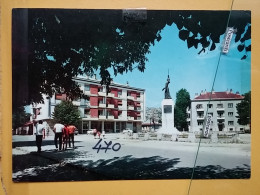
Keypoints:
pixel 90 132
pixel 129 131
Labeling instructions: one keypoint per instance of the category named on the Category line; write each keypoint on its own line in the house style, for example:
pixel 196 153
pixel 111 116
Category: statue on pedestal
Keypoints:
pixel 167 94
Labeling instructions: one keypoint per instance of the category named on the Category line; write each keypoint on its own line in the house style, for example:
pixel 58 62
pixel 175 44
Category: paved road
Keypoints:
pixel 119 158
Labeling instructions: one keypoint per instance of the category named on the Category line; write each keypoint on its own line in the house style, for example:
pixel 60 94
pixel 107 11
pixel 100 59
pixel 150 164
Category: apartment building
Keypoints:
pixel 120 108
pixel 221 106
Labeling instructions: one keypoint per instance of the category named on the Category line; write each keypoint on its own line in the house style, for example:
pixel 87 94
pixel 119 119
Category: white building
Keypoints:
pixel 123 107
pixel 221 106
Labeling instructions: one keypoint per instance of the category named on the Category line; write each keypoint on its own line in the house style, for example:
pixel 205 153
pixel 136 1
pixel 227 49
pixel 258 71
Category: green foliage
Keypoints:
pixel 20 117
pixel 182 103
pixel 66 113
pixel 51 46
pixel 244 110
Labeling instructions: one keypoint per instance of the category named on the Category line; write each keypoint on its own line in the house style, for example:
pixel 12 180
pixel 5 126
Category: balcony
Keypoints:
pixel 110 106
pixel 76 103
pixel 200 109
pixel 130 107
pixel 87 93
pixel 130 118
pixel 130 97
pixel 110 95
pixel 102 117
pixel 138 118
pixel 200 117
pixel 87 116
pixel 188 119
pixel 101 93
pixel 220 117
pixel 101 105
pixel 110 117
pixel 139 108
pixel 220 109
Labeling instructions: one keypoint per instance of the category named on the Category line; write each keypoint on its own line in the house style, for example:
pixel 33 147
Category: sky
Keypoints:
pixel 189 70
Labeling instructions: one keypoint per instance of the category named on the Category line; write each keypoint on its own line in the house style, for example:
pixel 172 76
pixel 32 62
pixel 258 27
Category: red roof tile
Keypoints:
pixel 218 95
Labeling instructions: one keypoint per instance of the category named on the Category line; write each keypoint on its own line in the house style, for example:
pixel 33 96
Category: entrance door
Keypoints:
pixel 220 126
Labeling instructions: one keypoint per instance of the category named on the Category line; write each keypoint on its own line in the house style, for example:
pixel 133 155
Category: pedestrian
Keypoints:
pixel 98 133
pixel 95 133
pixel 65 137
pixel 40 134
pixel 58 128
pixel 71 130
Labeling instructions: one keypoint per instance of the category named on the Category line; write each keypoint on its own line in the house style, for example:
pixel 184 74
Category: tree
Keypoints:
pixel 20 117
pixel 51 46
pixel 66 113
pixel 244 110
pixel 180 115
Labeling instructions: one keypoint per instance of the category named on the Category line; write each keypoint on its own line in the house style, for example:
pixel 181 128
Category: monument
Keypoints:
pixel 167 112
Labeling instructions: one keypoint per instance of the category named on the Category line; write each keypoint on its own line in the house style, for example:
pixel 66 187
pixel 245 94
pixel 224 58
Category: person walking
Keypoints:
pixel 40 134
pixel 65 137
pixel 71 129
pixel 58 128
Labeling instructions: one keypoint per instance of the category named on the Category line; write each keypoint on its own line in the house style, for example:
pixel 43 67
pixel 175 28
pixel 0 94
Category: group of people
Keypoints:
pixel 63 133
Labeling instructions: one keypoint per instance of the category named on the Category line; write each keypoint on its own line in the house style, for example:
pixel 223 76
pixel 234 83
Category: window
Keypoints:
pixel 230 122
pixel 230 129
pixel 220 106
pixel 87 111
pixel 200 123
pixel 210 105
pixel 199 106
pixel 87 87
pixel 230 105
pixel 201 115
pixel 230 113
pixel 101 113
pixel 210 113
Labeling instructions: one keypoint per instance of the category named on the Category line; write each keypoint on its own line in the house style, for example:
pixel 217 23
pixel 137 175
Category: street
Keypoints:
pixel 114 157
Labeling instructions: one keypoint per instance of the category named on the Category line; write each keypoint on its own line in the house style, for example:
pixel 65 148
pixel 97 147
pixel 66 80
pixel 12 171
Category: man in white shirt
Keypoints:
pixel 58 134
pixel 40 133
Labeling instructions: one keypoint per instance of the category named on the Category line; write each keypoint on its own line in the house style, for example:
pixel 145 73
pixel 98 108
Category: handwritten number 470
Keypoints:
pixel 108 146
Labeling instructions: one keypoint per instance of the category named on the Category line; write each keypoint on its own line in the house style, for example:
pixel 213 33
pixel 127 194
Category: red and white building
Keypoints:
pixel 123 107
pixel 221 106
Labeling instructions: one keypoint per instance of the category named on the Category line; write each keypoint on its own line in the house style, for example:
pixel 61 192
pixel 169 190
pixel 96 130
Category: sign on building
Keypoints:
pixel 207 125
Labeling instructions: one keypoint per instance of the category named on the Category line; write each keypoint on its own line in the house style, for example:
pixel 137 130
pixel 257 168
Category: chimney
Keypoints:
pixel 227 91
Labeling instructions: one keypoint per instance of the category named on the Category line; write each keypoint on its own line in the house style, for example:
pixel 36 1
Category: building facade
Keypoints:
pixel 120 108
pixel 222 108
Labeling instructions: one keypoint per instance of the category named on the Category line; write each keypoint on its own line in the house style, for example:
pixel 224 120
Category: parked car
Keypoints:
pixel 128 131
pixel 76 132
pixel 90 132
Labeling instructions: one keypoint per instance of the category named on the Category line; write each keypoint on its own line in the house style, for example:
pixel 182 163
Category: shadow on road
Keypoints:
pixel 33 143
pixel 50 166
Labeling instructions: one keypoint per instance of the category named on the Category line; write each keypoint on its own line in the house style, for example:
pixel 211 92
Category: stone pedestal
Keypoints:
pixel 167 114
pixel 168 117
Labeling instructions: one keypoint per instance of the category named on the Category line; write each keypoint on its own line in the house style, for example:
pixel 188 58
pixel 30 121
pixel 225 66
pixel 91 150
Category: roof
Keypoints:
pixel 112 84
pixel 218 96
